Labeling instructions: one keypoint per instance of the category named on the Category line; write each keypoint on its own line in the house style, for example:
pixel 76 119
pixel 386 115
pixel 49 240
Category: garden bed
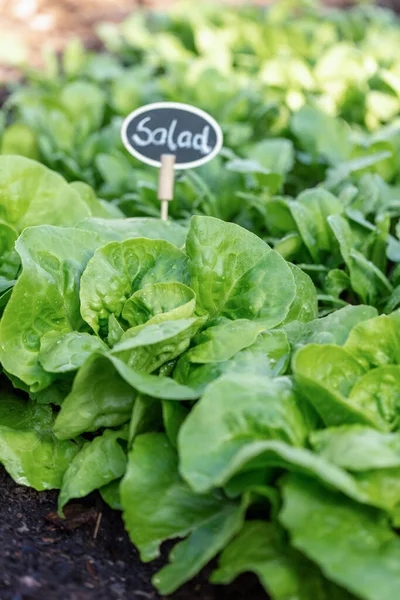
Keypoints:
pixel 229 380
pixel 41 559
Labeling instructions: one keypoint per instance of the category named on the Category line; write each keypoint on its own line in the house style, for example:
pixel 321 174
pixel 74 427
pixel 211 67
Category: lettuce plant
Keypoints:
pixel 97 322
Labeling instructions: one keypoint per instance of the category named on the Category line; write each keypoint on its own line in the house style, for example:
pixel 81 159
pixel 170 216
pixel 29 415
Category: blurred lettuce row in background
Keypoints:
pixel 309 102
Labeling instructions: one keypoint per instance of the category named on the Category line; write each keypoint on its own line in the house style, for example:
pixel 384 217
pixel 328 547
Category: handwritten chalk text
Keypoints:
pixel 167 136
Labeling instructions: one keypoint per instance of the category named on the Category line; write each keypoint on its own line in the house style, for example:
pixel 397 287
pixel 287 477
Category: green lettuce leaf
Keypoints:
pixel 357 448
pixel 326 376
pixel 321 134
pixel 97 464
pixel 173 415
pixel 366 279
pixel 100 397
pixel 157 504
pixel 310 212
pixel 31 194
pixel 255 459
pixel 98 208
pixel 188 557
pixel 352 544
pixel 103 394
pixel 220 342
pixel 148 347
pixel 159 302
pixel 45 298
pixel 304 307
pixel 112 230
pixel 236 275
pixel 268 355
pixel 64 352
pixel 120 268
pixel 234 412
pixel 332 329
pixel 28 449
pixel 262 548
pixel 147 417
pixel 111 495
pixel 375 342
pixel 9 259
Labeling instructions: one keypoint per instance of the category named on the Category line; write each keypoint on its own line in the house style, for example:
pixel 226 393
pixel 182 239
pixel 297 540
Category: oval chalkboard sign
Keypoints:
pixel 189 133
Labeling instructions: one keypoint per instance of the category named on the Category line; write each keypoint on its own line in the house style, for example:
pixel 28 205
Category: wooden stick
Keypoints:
pixel 164 210
pixel 166 183
pixel 97 527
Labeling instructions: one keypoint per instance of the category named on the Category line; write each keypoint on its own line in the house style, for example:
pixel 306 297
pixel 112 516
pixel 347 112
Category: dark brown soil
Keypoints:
pixel 39 560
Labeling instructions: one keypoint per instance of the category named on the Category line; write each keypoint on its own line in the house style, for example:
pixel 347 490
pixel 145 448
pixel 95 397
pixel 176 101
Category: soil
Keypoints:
pixel 43 559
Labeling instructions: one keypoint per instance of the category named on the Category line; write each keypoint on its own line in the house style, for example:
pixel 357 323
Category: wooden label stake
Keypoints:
pixel 171 136
pixel 166 183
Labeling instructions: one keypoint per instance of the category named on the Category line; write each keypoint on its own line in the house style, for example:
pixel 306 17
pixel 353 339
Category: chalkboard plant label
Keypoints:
pixel 188 133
